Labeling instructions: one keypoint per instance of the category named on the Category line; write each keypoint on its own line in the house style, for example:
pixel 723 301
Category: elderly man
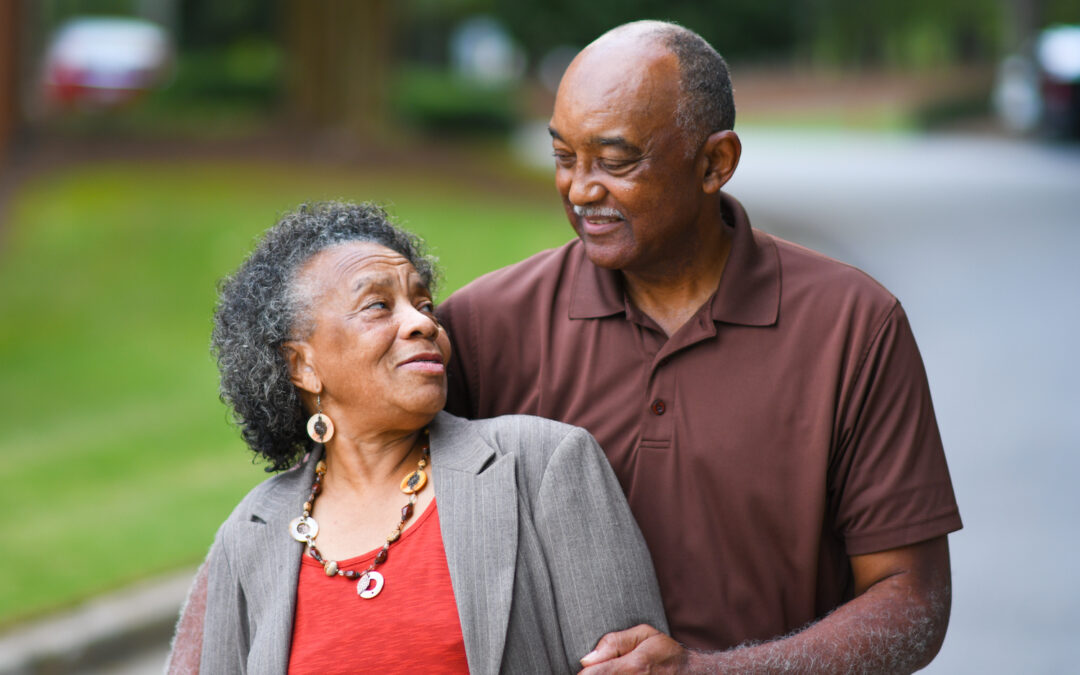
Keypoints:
pixel 765 408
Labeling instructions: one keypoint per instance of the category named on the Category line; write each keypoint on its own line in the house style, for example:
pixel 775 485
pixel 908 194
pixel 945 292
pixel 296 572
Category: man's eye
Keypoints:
pixel 378 304
pixel 615 164
pixel 563 159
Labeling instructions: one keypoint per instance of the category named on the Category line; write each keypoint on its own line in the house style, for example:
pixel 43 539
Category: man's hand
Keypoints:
pixel 636 650
pixel 895 624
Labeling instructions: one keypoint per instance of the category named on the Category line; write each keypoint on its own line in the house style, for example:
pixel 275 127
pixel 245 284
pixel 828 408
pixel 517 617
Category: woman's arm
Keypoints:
pixel 602 575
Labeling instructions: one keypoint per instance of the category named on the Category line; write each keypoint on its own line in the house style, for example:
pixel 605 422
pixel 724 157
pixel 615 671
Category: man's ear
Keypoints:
pixel 722 151
pixel 299 357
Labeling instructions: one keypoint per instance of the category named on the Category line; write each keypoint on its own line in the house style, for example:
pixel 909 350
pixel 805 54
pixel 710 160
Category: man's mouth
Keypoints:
pixel 596 220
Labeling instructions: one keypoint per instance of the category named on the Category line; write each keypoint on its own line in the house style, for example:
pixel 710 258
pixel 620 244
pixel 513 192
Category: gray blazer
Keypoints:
pixel 544 555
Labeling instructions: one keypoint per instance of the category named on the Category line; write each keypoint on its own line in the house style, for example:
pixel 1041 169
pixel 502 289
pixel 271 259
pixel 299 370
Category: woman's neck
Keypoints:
pixel 373 460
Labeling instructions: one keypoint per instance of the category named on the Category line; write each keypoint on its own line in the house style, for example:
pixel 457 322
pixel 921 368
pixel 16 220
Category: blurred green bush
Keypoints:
pixel 435 99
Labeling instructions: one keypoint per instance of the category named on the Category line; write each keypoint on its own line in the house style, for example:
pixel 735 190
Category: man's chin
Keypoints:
pixel 605 254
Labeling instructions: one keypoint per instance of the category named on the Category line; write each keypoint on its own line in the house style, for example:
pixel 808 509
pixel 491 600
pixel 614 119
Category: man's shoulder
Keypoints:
pixel 510 284
pixel 809 276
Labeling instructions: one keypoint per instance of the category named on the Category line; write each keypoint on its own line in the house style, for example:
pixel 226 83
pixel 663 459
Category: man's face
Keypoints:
pixel 628 179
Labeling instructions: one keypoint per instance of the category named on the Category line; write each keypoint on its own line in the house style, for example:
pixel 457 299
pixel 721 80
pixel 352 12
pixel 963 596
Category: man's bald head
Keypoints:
pixel 706 104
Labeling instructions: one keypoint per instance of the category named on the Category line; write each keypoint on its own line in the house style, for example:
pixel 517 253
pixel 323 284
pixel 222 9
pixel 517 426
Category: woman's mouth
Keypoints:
pixel 427 362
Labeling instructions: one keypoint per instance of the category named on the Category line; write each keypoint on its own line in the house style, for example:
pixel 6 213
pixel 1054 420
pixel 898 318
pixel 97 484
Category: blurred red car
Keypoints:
pixel 104 62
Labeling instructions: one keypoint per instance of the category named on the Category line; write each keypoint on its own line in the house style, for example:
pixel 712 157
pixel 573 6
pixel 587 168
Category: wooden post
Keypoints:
pixel 10 21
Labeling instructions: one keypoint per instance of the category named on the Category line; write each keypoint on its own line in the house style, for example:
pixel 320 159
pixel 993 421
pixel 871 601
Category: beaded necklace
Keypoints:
pixel 305 528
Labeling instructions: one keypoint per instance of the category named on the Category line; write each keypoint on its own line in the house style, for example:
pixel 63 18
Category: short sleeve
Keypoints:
pixel 889 484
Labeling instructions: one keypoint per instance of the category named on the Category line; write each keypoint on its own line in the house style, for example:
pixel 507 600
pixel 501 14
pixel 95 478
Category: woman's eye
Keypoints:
pixel 378 304
pixel 427 307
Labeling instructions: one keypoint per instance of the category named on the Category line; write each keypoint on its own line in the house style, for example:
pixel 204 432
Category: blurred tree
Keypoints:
pixel 211 23
pixel 10 20
pixel 759 29
pixel 915 33
pixel 339 57
pixel 912 33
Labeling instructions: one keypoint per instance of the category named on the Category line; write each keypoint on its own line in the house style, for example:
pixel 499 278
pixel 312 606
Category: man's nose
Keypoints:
pixel 584 188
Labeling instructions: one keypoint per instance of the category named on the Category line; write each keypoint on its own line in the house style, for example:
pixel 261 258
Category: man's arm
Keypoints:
pixel 895 624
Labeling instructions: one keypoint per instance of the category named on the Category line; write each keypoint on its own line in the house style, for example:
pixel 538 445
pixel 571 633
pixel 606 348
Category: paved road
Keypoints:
pixel 979 238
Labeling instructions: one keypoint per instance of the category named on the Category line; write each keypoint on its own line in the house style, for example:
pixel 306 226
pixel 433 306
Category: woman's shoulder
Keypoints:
pixel 509 433
pixel 273 496
pixel 534 442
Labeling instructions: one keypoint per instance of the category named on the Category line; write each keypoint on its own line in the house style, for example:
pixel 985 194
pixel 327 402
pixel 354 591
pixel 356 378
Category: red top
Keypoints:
pixel 411 626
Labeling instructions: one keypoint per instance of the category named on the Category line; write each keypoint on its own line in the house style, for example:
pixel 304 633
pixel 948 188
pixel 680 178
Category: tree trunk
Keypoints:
pixel 339 54
pixel 10 20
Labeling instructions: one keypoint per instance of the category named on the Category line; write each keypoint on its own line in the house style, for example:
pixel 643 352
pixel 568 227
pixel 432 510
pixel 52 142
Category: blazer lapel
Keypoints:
pixel 278 568
pixel 476 491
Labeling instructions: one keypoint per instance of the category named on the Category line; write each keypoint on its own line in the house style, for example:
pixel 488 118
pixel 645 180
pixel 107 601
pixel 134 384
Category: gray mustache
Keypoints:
pixel 597 212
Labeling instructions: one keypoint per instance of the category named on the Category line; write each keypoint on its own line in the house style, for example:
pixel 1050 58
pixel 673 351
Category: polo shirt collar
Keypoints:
pixel 749 291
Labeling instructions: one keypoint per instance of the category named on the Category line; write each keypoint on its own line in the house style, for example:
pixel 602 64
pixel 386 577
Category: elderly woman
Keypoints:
pixel 396 537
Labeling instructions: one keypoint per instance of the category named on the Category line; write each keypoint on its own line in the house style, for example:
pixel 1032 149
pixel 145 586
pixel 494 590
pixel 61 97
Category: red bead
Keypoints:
pixel 315 554
pixel 381 557
pixel 406 512
pixel 352 574
pixel 316 488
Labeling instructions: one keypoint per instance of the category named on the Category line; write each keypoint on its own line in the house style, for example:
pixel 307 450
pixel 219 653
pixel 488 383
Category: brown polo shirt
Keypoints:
pixel 785 427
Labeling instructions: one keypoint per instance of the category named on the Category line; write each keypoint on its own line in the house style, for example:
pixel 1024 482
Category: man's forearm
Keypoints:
pixel 887 629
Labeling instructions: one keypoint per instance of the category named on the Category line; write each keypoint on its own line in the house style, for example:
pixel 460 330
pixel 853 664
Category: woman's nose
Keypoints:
pixel 420 324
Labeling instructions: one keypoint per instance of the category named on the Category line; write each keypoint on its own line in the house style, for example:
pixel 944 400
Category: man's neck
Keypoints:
pixel 673 296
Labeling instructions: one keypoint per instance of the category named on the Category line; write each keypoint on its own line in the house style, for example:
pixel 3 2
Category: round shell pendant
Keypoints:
pixel 303 529
pixel 414 482
pixel 362 586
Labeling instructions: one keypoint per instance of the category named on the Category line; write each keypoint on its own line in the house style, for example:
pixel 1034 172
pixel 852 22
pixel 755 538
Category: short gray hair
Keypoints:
pixel 263 305
pixel 707 104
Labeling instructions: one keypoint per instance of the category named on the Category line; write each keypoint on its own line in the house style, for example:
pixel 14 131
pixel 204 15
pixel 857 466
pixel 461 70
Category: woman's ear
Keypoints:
pixel 722 152
pixel 299 357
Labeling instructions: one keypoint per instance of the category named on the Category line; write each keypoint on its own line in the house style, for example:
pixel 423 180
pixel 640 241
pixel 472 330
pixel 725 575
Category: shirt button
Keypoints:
pixel 658 406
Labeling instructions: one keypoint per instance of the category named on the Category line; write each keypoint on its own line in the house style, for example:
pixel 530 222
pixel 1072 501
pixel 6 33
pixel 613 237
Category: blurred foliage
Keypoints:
pixel 212 23
pixel 738 28
pixel 436 99
pixel 914 33
pixel 1061 11
pixel 244 70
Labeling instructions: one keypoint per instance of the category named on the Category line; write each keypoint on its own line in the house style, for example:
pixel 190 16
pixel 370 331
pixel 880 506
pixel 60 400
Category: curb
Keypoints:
pixel 106 629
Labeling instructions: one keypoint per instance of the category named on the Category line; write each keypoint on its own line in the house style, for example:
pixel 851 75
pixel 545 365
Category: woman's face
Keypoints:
pixel 376 348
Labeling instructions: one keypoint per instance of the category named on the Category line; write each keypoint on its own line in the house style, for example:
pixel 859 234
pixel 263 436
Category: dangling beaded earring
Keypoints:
pixel 319 426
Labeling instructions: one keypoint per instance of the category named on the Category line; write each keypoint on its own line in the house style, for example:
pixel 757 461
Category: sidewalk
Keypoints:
pixel 127 631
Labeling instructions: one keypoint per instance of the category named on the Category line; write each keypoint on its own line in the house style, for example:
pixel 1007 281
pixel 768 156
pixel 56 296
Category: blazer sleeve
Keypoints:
pixel 594 549
pixel 211 634
pixel 185 651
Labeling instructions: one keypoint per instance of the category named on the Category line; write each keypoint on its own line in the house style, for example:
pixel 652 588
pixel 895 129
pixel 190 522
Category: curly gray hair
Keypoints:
pixel 262 305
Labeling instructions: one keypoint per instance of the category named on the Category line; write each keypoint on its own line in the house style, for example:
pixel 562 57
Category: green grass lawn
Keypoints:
pixel 116 458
